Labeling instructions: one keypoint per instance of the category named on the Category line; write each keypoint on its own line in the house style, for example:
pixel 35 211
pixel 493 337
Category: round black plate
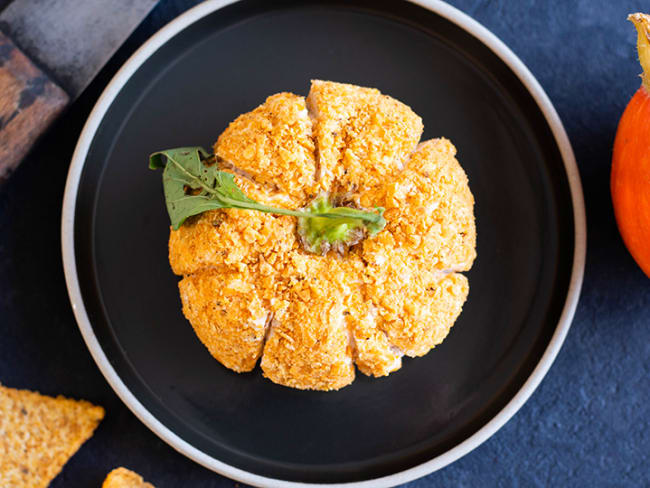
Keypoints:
pixel 227 63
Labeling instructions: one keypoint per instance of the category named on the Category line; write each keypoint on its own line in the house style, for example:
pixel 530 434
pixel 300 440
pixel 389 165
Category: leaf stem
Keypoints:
pixel 357 214
pixel 642 24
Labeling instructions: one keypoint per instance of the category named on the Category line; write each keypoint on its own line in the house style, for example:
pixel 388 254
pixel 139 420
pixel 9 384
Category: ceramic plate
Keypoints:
pixel 219 60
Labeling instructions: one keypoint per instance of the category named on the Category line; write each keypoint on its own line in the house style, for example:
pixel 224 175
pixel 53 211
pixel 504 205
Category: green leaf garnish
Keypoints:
pixel 193 184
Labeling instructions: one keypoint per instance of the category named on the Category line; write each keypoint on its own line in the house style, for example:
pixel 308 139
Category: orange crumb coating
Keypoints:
pixel 308 345
pixel 415 315
pixel 373 352
pixel 273 144
pixel 430 209
pixel 227 314
pixel 250 290
pixel 363 137
pixel 232 238
pixel 416 307
pixel 322 324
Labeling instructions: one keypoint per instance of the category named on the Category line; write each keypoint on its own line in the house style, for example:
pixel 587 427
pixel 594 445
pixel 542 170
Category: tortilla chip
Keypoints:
pixel 38 434
pixel 124 478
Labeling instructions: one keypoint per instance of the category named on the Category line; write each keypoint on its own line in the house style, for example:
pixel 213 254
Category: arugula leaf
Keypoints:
pixel 189 184
pixel 193 184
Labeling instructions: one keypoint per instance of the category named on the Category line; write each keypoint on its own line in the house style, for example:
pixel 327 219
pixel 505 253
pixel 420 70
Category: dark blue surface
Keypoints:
pixel 587 424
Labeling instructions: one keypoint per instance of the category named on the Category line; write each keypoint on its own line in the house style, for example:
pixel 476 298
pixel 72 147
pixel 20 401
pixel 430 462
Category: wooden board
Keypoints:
pixel 29 103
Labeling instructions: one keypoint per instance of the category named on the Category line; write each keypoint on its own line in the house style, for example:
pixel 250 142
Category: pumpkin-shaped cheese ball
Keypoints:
pixel 252 290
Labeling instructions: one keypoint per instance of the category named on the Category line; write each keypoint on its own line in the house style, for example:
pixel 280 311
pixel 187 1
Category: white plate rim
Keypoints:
pixel 72 282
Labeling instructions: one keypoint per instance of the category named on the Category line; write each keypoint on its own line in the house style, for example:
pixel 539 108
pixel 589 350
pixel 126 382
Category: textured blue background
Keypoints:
pixel 587 424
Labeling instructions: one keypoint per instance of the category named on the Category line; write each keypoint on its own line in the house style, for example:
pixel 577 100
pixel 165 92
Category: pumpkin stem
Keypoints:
pixel 642 24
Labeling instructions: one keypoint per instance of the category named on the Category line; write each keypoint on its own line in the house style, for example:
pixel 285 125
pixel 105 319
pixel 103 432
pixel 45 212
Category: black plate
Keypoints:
pixel 226 64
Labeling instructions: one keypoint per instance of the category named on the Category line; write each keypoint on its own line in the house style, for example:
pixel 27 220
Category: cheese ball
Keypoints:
pixel 253 294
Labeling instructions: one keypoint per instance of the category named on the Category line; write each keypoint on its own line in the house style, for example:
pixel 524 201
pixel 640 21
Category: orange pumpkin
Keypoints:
pixel 630 179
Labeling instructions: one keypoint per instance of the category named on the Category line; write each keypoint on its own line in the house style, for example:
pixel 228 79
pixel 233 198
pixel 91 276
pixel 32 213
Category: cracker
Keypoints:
pixel 38 434
pixel 125 478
